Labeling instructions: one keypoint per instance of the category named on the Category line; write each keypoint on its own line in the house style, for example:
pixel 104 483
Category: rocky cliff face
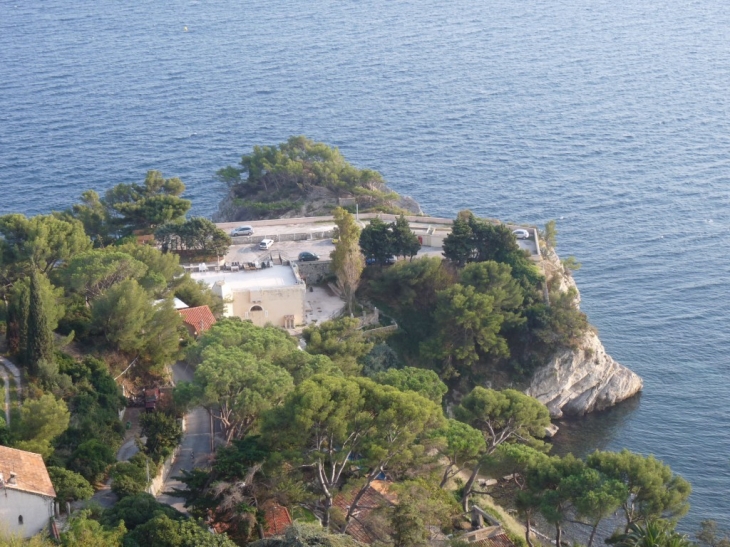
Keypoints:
pixel 581 381
pixel 575 382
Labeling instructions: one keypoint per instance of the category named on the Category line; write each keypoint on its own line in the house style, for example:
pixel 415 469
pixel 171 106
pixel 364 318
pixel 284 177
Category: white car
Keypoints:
pixel 521 234
pixel 266 244
pixel 242 231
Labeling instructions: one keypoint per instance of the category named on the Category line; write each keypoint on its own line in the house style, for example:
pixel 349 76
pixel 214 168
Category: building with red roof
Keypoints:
pixel 26 492
pixel 197 320
pixel 276 520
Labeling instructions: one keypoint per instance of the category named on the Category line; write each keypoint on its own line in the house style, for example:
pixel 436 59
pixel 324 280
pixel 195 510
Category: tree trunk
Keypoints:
pixel 358 496
pixel 593 534
pixel 468 488
pixel 446 477
pixel 528 530
pixel 558 535
pixel 326 515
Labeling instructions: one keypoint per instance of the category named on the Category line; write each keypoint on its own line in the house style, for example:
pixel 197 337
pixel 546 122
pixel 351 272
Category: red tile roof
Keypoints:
pixel 276 520
pixel 30 472
pixel 200 318
pixel 377 495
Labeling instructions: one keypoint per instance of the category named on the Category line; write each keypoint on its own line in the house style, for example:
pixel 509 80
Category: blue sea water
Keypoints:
pixel 610 116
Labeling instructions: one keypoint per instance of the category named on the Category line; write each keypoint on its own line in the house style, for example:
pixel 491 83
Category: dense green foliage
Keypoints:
pixel 341 340
pixel 421 381
pixel 347 261
pixel 195 234
pixel 272 179
pixel 69 486
pixel 163 432
pixel 39 343
pixel 380 241
pixel 482 312
pixel 137 510
pixel 130 478
pixel 330 419
pixel 145 206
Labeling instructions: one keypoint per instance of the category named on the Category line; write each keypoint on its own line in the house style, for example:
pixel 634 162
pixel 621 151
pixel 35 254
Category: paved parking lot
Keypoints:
pixel 288 250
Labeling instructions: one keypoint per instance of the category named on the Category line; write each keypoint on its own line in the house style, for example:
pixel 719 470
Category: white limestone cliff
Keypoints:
pixel 575 382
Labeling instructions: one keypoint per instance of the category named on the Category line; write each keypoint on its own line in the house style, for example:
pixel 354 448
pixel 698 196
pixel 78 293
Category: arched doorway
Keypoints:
pixel 258 315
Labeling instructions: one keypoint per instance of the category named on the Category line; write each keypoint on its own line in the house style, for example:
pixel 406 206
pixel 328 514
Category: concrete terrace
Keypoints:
pixel 276 276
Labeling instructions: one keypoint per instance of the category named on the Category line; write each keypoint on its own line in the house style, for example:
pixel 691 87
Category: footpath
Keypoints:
pixel 9 367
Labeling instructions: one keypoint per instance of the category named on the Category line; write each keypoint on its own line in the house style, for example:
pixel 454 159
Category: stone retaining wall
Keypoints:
pixel 314 272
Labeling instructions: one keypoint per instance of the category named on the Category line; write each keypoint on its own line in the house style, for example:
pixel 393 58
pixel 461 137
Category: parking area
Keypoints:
pixel 286 250
pixel 289 250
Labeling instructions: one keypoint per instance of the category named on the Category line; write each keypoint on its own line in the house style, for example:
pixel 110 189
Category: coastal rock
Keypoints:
pixel 409 204
pixel 576 382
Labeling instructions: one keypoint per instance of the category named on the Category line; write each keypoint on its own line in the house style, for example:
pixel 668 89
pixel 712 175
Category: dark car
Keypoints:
pixel 306 256
pixel 371 260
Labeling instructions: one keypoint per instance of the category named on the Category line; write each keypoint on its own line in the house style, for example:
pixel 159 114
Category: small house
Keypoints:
pixel 197 320
pixel 26 492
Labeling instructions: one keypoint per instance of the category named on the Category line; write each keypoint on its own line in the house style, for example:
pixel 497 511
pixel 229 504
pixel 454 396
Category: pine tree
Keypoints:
pixel 40 337
pixel 405 241
pixel 17 332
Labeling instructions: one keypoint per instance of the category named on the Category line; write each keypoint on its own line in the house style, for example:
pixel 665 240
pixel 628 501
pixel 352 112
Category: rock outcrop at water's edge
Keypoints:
pixel 575 382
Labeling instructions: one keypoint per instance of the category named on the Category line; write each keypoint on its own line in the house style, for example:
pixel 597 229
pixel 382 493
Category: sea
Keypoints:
pixel 610 116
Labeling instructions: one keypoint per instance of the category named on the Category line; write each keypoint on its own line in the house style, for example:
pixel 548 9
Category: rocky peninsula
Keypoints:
pixel 577 381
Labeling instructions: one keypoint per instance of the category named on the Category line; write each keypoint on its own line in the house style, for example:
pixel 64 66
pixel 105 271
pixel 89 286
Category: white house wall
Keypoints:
pixel 34 508
pixel 276 303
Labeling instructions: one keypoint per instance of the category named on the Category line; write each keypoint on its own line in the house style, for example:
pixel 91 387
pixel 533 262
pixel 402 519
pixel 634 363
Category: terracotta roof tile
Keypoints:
pixel 31 474
pixel 276 520
pixel 377 495
pixel 200 318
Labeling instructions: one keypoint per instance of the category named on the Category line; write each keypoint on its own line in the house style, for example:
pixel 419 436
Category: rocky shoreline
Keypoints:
pixel 587 379
pixel 576 382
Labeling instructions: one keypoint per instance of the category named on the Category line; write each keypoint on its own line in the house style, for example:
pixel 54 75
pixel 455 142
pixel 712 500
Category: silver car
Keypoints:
pixel 242 231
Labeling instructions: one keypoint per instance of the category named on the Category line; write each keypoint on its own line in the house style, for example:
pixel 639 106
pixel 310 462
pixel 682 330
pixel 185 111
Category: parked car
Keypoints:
pixel 306 256
pixel 266 244
pixel 242 231
pixel 521 234
pixel 371 260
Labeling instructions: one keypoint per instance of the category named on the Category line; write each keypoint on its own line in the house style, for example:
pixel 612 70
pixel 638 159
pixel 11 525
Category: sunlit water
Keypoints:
pixel 610 116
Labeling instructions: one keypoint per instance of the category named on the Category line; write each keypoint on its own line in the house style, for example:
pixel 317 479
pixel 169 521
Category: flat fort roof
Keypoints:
pixel 265 278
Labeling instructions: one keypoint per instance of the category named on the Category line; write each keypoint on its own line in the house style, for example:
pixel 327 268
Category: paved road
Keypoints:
pixel 195 450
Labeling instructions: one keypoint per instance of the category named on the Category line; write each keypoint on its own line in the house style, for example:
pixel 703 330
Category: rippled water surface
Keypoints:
pixel 611 116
